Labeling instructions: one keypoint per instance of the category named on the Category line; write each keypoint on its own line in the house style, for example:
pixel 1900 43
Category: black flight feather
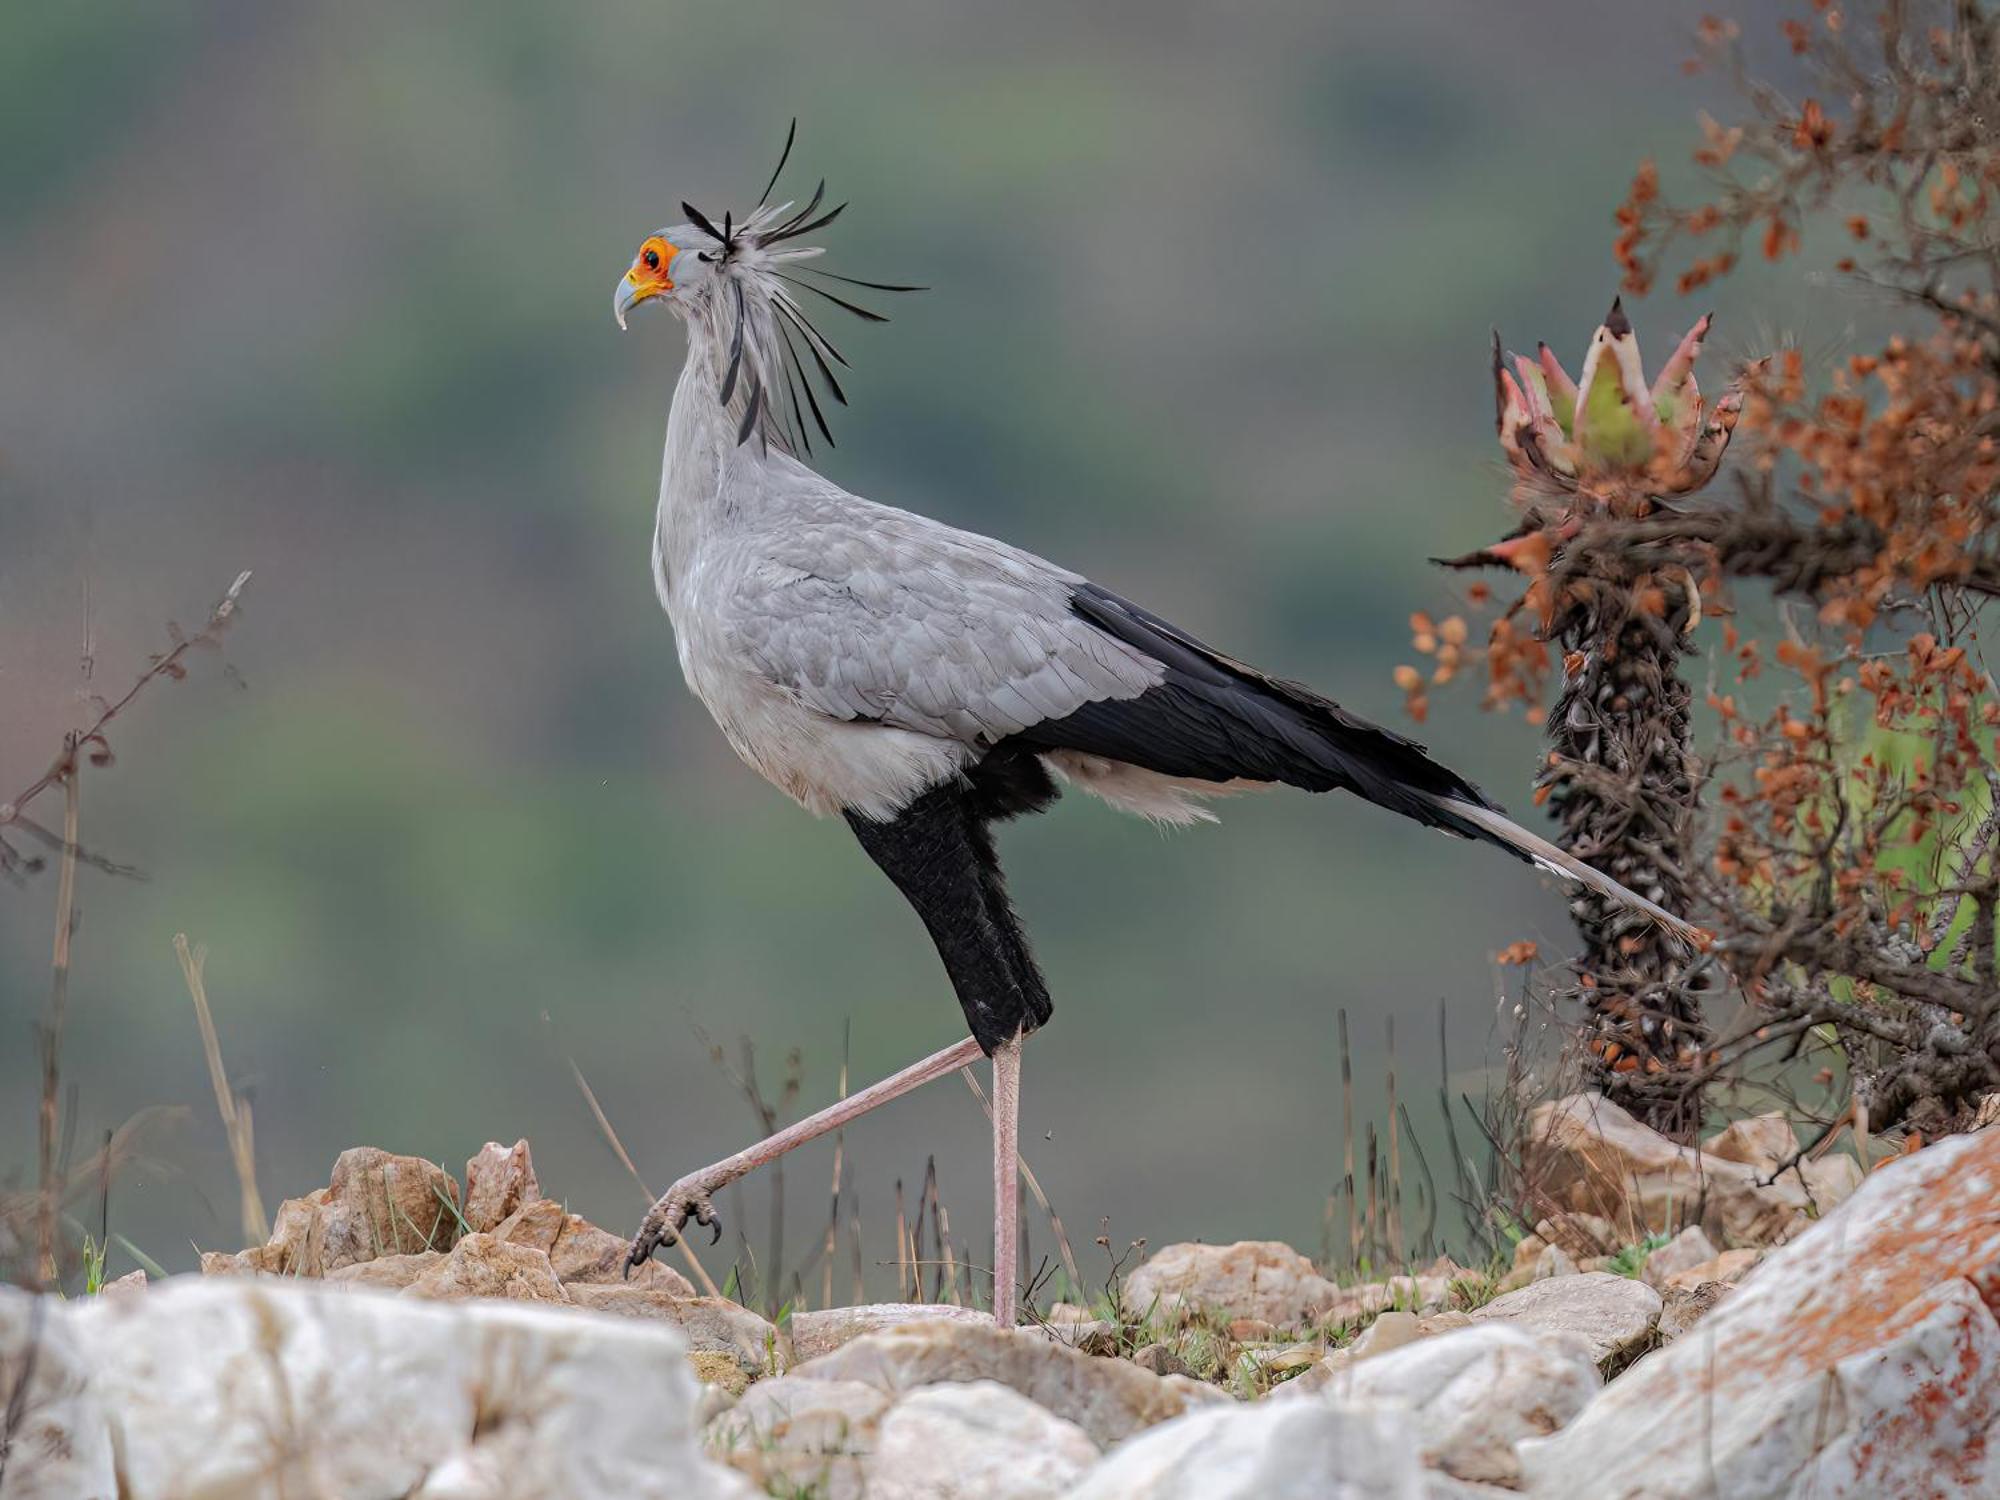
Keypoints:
pixel 749 422
pixel 802 215
pixel 806 381
pixel 700 221
pixel 783 157
pixel 876 286
pixel 825 370
pixel 735 349
pixel 840 302
pixel 788 232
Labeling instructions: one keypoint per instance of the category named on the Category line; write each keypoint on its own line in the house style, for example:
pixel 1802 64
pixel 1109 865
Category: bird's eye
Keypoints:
pixel 651 258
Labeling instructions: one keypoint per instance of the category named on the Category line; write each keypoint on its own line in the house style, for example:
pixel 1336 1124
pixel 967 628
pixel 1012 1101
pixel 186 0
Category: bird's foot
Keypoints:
pixel 686 1199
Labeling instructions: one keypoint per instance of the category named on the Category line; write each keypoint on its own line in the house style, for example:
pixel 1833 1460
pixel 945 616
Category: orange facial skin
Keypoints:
pixel 649 276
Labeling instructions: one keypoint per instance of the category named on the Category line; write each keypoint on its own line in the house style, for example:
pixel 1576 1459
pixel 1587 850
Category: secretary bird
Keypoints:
pixel 926 683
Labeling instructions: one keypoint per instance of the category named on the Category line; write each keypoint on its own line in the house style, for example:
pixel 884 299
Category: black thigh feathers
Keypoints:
pixel 939 852
pixel 1216 719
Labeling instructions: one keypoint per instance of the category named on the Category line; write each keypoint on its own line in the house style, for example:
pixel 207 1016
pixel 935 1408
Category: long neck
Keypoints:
pixel 703 459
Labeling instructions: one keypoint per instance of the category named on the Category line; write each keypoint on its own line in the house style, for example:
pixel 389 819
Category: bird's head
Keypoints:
pixel 736 285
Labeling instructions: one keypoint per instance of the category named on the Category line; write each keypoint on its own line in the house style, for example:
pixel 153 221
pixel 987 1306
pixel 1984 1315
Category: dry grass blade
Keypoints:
pixel 1035 1188
pixel 49 1180
pixel 235 1110
pixel 618 1150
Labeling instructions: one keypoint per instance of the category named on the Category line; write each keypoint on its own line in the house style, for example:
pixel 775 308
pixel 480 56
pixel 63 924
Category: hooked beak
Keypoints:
pixel 627 295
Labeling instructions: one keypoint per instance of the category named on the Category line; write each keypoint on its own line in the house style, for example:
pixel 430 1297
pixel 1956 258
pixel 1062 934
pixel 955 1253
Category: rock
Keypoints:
pixel 61 1447
pixel 1684 1306
pixel 1553 1261
pixel 1685 1251
pixel 376 1204
pixel 497 1182
pixel 1443 1322
pixel 482 1266
pixel 1610 1315
pixel 1250 1330
pixel 1251 1279
pixel 1765 1142
pixel 1730 1267
pixel 713 1325
pixel 802 1415
pixel 131 1284
pixel 1110 1399
pixel 817 1333
pixel 1863 1359
pixel 1160 1359
pixel 393 1272
pixel 1589 1154
pixel 1357 1304
pixel 1474 1394
pixel 976 1441
pixel 1269 1451
pixel 580 1252
pixel 264 1388
pixel 1580 1235
pixel 1390 1331
pixel 712 1367
pixel 1095 1336
pixel 1987 1113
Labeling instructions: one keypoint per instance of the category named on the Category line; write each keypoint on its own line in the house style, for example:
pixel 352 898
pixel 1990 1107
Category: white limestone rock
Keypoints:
pixel 1296 1450
pixel 254 1387
pixel 1610 1315
pixel 979 1440
pixel 1863 1359
pixel 1473 1394
pixel 61 1448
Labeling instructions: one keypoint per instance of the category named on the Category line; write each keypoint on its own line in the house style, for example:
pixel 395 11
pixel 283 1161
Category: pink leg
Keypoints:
pixel 690 1197
pixel 1006 1178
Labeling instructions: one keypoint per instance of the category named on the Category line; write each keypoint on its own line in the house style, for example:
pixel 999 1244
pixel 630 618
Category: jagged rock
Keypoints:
pixel 975 1441
pixel 1472 1395
pixel 1390 1331
pixel 131 1284
pixel 713 1325
pixel 580 1252
pixel 1684 1306
pixel 1357 1304
pixel 817 1333
pixel 1610 1315
pixel 1685 1251
pixel 1264 1452
pixel 1159 1359
pixel 1109 1398
pixel 802 1415
pixel 393 1272
pixel 480 1265
pixel 376 1204
pixel 497 1182
pixel 713 1367
pixel 61 1443
pixel 1863 1359
pixel 267 1388
pixel 1585 1151
pixel 1730 1267
pixel 1763 1141
pixel 1251 1279
pixel 1553 1261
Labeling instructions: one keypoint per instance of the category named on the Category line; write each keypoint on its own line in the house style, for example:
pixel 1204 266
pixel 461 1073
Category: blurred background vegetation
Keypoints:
pixel 321 290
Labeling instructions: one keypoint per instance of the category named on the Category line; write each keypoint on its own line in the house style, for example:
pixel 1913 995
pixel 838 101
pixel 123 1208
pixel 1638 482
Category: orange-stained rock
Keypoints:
pixel 581 1252
pixel 1588 1154
pixel 481 1266
pixel 497 1182
pixel 1862 1359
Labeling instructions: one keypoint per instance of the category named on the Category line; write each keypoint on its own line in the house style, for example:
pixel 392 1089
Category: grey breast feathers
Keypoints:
pixel 870 613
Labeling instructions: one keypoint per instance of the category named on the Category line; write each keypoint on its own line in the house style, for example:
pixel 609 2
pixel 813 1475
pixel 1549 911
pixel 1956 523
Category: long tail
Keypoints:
pixel 1502 830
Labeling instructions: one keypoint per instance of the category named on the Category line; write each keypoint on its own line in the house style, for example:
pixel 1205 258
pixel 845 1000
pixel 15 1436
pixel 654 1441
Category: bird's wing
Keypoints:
pixel 869 613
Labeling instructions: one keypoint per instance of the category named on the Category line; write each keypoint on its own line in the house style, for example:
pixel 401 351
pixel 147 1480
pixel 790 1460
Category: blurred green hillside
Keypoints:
pixel 320 290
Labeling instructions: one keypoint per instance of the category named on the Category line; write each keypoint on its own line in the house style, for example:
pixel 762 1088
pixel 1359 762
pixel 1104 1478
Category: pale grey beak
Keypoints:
pixel 624 298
